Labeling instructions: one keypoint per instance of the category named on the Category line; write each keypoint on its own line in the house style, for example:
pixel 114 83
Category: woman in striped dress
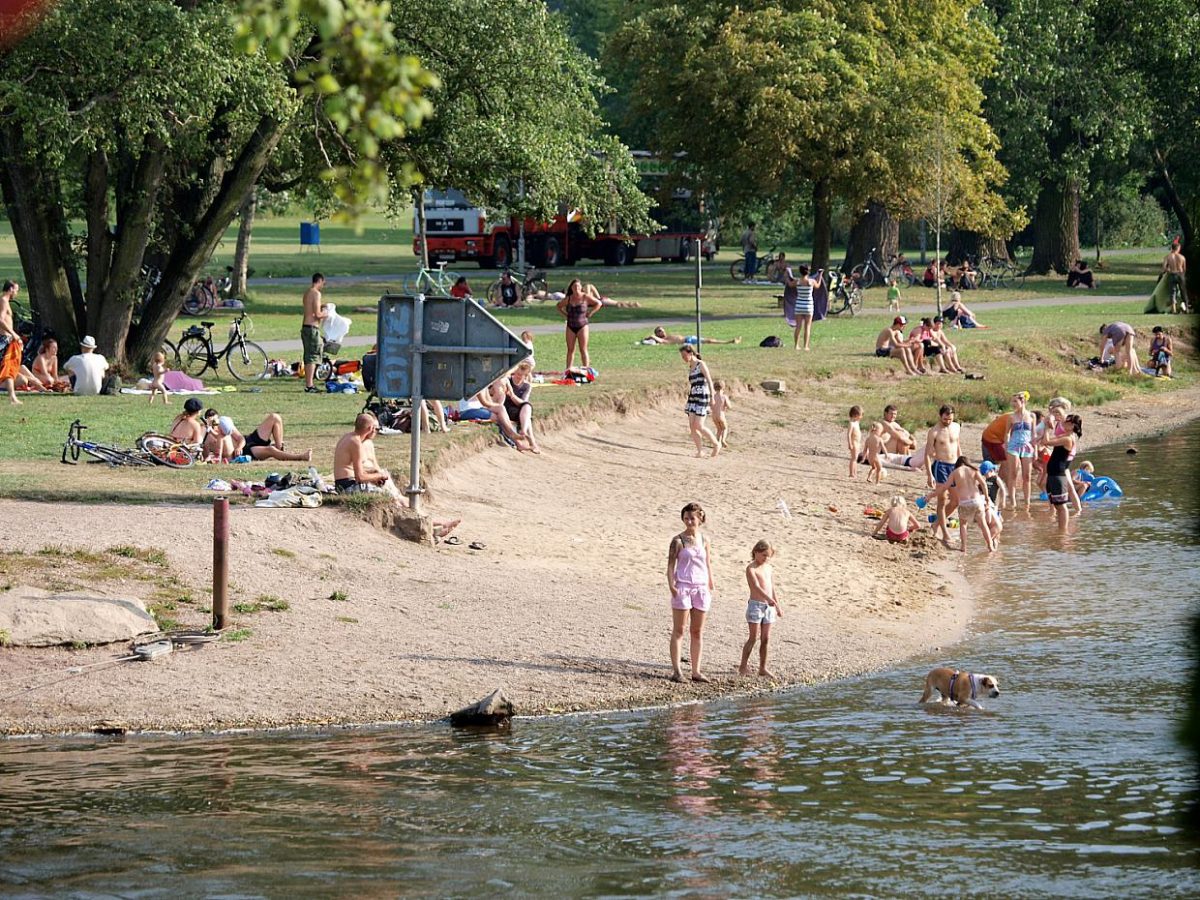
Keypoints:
pixel 803 286
pixel 700 391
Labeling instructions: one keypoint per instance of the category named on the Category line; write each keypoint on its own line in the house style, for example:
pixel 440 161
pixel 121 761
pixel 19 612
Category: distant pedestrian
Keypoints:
pixel 310 331
pixel 750 252
pixel 699 402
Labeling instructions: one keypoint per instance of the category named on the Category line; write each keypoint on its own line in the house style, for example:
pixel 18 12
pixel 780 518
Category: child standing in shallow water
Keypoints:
pixel 854 438
pixel 689 577
pixel 720 404
pixel 158 370
pixel 762 609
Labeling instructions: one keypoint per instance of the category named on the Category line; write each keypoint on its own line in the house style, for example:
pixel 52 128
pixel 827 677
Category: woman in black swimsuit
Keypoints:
pixel 517 405
pixel 1058 486
pixel 577 308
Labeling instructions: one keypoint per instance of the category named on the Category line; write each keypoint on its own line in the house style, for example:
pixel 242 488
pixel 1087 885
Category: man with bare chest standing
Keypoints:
pixel 310 331
pixel 941 452
pixel 1175 268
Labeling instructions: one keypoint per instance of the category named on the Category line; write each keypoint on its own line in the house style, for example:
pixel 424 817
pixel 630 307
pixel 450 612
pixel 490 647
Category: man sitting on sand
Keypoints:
pixel 890 344
pixel 661 336
pixel 896 438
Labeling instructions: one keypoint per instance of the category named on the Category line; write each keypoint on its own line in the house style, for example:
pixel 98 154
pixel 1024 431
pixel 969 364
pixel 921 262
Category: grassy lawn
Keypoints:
pixel 1026 348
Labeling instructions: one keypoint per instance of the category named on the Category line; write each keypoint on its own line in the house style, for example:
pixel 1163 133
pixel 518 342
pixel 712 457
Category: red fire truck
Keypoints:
pixel 459 231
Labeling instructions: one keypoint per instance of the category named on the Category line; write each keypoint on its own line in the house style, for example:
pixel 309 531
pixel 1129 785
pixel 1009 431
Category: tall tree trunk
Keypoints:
pixel 422 233
pixel 876 229
pixel 1187 211
pixel 1056 228
pixel 975 245
pixel 241 256
pixel 33 203
pixel 822 223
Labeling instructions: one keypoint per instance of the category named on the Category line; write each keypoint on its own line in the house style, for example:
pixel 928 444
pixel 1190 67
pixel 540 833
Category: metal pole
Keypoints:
pixel 220 605
pixel 699 279
pixel 414 463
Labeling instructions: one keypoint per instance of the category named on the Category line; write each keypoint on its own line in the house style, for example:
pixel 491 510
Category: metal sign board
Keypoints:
pixel 441 348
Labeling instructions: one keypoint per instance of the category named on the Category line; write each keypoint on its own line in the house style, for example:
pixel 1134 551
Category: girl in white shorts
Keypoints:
pixel 762 609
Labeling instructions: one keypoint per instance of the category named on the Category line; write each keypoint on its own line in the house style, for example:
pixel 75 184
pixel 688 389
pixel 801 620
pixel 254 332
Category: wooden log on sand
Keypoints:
pixel 493 711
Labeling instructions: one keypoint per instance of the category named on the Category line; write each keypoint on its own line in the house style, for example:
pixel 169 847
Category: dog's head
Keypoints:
pixel 988 686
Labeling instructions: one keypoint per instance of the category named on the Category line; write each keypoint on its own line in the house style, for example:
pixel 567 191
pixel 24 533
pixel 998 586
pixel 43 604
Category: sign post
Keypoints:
pixel 699 278
pixel 438 348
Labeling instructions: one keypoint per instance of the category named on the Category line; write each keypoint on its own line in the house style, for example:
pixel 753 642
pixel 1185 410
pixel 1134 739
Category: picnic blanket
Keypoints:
pixel 128 390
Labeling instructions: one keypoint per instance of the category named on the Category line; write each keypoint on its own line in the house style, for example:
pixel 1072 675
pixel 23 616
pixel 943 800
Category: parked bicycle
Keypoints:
pixel 436 281
pixel 1000 272
pixel 152 450
pixel 246 360
pixel 869 272
pixel 533 282
pixel 737 269
pixel 845 293
pixel 901 270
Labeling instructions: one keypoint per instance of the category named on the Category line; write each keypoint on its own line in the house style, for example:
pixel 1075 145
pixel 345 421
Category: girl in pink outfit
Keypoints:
pixel 689 577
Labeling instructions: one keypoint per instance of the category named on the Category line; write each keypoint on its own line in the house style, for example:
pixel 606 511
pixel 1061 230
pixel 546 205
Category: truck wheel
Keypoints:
pixel 503 254
pixel 551 254
pixel 685 251
pixel 622 255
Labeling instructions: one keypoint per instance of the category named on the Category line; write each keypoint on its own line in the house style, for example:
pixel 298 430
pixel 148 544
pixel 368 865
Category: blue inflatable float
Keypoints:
pixel 1100 488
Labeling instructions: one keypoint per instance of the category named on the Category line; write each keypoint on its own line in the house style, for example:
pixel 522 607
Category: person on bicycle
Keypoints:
pixel 310 332
pixel 750 251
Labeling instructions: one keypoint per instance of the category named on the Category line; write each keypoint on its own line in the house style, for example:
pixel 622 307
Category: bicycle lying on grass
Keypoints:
pixel 245 359
pixel 152 450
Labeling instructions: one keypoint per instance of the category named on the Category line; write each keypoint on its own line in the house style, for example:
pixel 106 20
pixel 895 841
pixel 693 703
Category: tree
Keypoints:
pixel 505 137
pixel 1061 102
pixel 770 99
pixel 137 118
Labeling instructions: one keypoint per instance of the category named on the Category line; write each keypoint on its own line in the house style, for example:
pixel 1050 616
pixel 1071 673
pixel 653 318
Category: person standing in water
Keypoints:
pixel 689 578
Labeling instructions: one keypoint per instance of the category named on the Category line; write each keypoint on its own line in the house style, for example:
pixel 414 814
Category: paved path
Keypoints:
pixel 911 311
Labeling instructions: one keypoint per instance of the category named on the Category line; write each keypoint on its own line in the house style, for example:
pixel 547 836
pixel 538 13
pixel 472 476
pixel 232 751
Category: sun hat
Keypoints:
pixel 192 405
pixel 89 342
pixel 987 467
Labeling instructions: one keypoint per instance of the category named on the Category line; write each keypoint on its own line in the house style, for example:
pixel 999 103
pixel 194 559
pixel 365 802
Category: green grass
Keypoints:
pixel 339 597
pixel 236 635
pixel 1026 348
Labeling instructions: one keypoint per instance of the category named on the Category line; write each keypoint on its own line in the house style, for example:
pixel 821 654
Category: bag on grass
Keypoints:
pixel 772 341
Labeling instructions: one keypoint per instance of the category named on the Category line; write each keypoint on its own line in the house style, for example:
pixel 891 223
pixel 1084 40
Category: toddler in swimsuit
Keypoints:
pixel 898 522
pixel 720 405
pixel 762 609
pixel 689 577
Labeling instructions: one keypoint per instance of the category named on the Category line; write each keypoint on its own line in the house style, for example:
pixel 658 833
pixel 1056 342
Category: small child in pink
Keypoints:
pixel 689 577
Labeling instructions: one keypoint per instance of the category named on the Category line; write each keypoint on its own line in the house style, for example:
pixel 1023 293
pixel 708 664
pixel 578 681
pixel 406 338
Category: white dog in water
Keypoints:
pixel 960 688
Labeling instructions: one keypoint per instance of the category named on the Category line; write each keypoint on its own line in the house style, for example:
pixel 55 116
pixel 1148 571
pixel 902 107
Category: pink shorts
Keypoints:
pixel 691 596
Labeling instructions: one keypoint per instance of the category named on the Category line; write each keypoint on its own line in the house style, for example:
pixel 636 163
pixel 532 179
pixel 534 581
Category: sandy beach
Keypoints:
pixel 566 608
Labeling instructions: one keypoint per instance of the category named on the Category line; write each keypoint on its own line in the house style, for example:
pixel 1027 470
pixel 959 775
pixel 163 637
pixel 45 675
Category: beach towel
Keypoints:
pixel 821 300
pixel 10 358
pixel 179 382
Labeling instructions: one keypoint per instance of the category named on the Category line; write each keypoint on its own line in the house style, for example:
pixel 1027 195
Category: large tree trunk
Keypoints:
pixel 33 202
pixel 877 230
pixel 422 233
pixel 1187 211
pixel 241 256
pixel 1056 228
pixel 977 246
pixel 822 223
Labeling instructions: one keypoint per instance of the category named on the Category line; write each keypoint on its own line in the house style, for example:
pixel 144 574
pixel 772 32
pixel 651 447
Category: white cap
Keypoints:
pixel 225 424
pixel 89 342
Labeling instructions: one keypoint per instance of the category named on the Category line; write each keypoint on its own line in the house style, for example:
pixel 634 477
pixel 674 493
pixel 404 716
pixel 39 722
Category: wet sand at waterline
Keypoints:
pixel 566 608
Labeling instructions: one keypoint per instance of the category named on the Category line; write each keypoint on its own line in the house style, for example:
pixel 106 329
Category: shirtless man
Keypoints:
pixel 11 346
pixel 310 332
pixel 941 453
pixel 355 467
pixel 661 336
pixel 1175 267
pixel 949 352
pixel 896 438
pixel 891 345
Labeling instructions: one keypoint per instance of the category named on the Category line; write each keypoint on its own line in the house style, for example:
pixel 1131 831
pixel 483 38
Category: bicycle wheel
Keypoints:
pixel 902 273
pixel 737 270
pixel 113 456
pixel 534 286
pixel 193 356
pixel 863 275
pixel 1017 277
pixel 247 361
pixel 196 303
pixel 166 451
pixel 170 352
pixel 854 300
pixel 493 293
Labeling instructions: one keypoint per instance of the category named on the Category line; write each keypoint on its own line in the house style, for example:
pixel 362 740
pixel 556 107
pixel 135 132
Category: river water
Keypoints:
pixel 1068 785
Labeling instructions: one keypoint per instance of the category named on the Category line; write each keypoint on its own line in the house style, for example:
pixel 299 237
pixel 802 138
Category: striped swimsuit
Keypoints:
pixel 804 298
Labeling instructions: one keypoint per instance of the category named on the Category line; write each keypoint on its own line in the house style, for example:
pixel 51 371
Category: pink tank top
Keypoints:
pixel 691 564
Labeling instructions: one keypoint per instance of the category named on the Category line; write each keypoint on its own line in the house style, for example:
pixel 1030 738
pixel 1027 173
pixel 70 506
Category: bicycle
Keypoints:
pixel 846 289
pixel 152 449
pixel 436 281
pixel 998 272
pixel 246 360
pixel 533 283
pixel 901 270
pixel 868 272
pixel 201 298
pixel 737 269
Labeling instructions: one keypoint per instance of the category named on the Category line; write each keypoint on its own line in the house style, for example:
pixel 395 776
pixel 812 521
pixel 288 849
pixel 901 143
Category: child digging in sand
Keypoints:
pixel 689 577
pixel 720 404
pixel 854 439
pixel 158 370
pixel 872 451
pixel 762 609
pixel 898 522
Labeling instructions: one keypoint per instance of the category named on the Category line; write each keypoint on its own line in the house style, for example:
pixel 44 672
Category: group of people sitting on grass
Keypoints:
pixel 218 439
pixel 926 350
pixel 960 277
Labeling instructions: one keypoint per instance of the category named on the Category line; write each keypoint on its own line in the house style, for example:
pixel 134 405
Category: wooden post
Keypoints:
pixel 220 605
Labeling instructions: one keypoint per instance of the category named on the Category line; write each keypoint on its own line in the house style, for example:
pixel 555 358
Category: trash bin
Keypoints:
pixel 310 235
